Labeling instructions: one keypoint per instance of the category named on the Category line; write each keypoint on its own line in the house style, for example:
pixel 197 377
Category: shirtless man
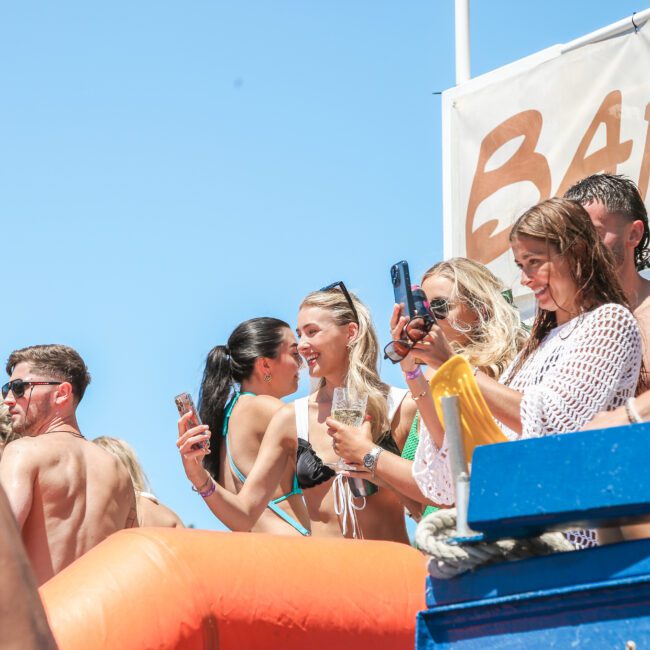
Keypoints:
pixel 617 210
pixel 66 493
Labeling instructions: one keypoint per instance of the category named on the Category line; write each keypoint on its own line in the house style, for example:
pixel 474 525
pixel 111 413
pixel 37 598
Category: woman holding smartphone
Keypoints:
pixel 339 343
pixel 474 311
pixel 583 355
pixel 242 385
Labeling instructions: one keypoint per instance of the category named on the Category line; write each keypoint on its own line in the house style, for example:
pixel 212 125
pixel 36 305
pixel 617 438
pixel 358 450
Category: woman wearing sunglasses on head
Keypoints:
pixel 242 385
pixel 340 345
pixel 473 312
pixel 583 355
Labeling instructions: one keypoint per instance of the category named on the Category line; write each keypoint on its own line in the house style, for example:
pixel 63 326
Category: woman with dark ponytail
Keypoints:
pixel 241 389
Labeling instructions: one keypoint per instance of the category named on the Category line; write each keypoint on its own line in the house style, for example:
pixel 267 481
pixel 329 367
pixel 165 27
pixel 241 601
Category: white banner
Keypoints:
pixel 528 131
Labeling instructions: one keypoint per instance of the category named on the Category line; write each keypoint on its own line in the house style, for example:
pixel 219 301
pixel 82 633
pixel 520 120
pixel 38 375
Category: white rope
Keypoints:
pixel 345 507
pixel 449 560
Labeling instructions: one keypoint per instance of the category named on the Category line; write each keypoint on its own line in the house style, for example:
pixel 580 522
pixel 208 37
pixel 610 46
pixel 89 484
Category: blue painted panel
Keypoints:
pixel 604 617
pixel 580 479
pixel 596 566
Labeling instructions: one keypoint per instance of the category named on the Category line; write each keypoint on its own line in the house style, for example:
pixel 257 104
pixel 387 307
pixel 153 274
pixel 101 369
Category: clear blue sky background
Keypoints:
pixel 171 169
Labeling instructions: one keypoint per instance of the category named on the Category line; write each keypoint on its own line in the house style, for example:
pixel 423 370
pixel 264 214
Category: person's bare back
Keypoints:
pixel 154 513
pixel 67 495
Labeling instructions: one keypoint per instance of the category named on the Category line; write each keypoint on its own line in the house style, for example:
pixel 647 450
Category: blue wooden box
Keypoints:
pixel 595 598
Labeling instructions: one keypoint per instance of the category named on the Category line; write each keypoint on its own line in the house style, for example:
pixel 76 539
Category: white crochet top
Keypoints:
pixel 585 366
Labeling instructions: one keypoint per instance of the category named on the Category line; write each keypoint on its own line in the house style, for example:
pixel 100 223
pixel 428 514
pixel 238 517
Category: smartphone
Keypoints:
pixel 184 404
pixel 401 279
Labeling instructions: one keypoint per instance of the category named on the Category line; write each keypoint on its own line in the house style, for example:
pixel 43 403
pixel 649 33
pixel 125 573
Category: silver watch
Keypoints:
pixel 370 459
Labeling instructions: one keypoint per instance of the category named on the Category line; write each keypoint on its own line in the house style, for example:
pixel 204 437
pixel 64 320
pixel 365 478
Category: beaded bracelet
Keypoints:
pixel 631 412
pixel 209 491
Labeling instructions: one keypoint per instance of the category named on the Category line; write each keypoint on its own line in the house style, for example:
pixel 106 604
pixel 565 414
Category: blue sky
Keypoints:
pixel 171 169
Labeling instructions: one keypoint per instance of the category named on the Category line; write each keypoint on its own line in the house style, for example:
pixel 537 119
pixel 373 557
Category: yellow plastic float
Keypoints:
pixel 456 377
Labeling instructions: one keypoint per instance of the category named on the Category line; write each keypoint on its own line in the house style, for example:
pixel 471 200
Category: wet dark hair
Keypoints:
pixel 618 194
pixel 230 364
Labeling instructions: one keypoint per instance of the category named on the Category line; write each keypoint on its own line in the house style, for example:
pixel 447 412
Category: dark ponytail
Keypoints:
pixel 228 365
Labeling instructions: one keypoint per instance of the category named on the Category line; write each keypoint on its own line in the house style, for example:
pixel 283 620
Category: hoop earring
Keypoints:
pixel 268 377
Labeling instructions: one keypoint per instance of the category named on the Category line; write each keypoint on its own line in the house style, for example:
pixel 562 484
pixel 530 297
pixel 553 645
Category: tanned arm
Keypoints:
pixel 18 471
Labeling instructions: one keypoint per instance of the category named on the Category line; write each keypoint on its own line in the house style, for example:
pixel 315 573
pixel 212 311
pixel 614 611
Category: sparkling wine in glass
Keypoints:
pixel 348 409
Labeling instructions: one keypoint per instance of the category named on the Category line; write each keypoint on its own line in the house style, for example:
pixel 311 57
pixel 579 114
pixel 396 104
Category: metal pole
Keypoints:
pixel 635 21
pixel 458 462
pixel 451 414
pixel 462 41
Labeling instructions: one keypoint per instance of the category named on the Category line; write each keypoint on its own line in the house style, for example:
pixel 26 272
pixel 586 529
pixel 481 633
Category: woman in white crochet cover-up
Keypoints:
pixel 583 356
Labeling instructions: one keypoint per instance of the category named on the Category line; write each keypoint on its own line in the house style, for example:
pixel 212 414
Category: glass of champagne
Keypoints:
pixel 348 409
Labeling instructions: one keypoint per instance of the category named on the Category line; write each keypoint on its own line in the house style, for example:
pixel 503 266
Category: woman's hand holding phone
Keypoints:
pixel 192 451
pixel 398 322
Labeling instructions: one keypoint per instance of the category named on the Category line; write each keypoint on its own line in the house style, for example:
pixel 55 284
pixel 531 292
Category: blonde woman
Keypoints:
pixel 473 310
pixel 150 511
pixel 339 344
pixel 583 355
pixel 6 434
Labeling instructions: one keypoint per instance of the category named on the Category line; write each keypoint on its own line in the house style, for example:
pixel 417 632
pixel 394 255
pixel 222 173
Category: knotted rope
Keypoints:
pixel 449 560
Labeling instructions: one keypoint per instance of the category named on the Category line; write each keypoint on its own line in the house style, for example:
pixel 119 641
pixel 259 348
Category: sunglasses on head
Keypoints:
pixel 340 285
pixel 18 386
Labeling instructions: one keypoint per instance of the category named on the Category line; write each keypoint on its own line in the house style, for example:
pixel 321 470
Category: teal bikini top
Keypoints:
pixel 272 505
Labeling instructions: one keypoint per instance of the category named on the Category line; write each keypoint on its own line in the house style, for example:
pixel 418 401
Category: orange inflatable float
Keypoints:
pixel 191 589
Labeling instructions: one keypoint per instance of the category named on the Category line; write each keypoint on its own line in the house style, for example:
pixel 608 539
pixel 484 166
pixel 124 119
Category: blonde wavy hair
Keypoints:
pixel 362 377
pixel 6 433
pixel 497 336
pixel 129 459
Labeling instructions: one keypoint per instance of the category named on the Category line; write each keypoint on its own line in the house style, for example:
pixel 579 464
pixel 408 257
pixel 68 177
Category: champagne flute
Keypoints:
pixel 348 409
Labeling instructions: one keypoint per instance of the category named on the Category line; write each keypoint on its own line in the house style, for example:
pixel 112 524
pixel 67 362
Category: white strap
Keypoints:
pixel 344 506
pixel 395 398
pixel 301 408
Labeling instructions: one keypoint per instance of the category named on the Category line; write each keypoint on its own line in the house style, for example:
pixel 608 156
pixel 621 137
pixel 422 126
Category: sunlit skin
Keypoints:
pixel 619 234
pixel 249 422
pixel 622 236
pixel 547 274
pixel 353 444
pixel 66 493
pixel 438 286
pixel 324 346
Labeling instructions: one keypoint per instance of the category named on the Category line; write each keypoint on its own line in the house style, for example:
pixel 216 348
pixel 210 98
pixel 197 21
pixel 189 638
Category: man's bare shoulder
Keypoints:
pixel 25 452
pixel 643 308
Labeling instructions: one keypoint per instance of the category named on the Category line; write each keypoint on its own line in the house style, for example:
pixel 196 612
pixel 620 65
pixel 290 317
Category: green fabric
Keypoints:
pixel 408 452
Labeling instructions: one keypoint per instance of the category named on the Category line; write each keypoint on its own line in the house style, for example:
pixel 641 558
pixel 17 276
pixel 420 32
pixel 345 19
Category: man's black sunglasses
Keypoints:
pixel 18 386
pixel 341 286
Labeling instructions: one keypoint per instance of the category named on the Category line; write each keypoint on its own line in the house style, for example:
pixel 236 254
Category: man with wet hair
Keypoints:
pixel 620 216
pixel 617 210
pixel 66 493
